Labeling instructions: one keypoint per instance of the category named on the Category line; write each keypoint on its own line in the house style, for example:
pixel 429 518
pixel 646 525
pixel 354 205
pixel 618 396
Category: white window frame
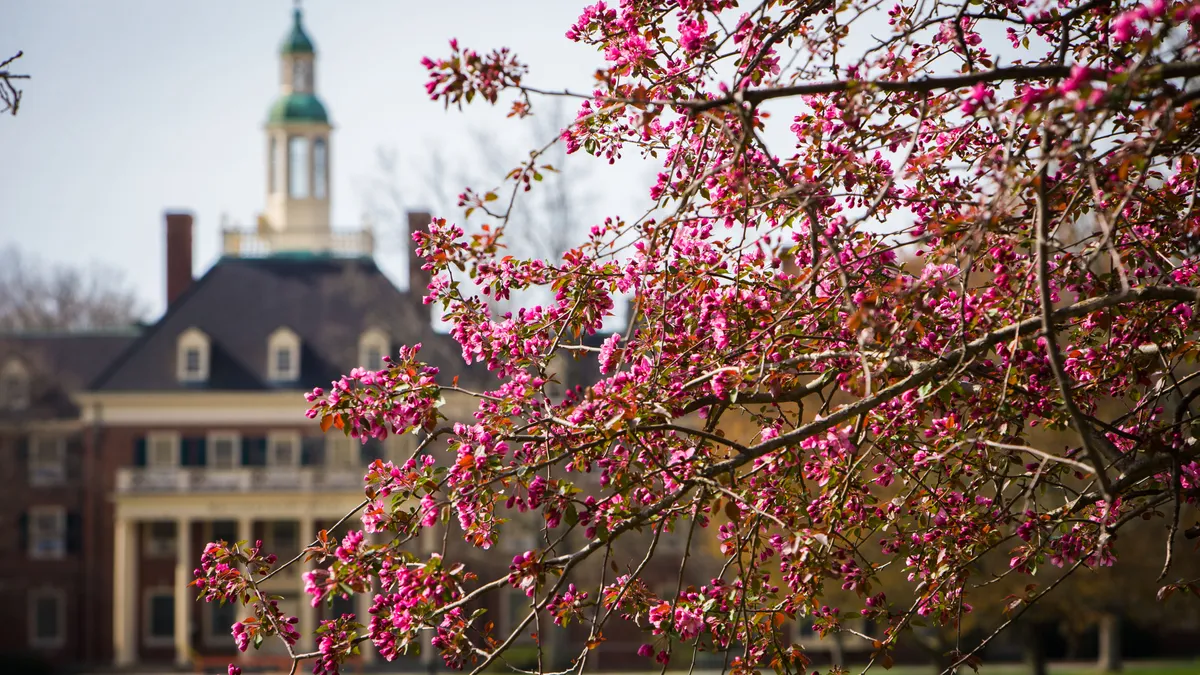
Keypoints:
pixel 43 471
pixel 235 441
pixel 153 439
pixel 373 340
pixel 192 338
pixel 55 552
pixel 283 338
pixel 15 385
pixel 149 639
pixel 60 637
pixel 276 437
pixel 159 547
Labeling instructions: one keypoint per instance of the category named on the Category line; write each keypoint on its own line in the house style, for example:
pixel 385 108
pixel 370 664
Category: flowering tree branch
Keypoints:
pixel 938 348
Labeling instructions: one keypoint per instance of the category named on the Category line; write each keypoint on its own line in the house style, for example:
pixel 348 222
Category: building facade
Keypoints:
pixel 125 453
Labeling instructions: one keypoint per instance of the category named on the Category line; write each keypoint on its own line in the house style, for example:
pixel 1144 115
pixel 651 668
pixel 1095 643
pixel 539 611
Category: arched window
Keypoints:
pixel 192 356
pixel 320 172
pixel 373 345
pixel 283 356
pixel 298 167
pixel 272 165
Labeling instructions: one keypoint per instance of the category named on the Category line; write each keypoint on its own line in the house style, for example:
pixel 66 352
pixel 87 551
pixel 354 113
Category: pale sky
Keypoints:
pixel 140 106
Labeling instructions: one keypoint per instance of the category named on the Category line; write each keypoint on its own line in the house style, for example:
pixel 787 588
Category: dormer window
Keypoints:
pixel 14 386
pixel 372 347
pixel 283 356
pixel 192 356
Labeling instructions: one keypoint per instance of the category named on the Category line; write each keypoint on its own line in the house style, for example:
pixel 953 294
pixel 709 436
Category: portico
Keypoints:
pixel 150 615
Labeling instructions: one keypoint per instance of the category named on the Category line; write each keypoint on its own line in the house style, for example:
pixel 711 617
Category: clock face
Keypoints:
pixel 302 76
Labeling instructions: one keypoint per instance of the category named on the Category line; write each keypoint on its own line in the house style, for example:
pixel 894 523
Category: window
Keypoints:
pixel 48 532
pixel 224 451
pixel 283 361
pixel 14 386
pixel 283 538
pixel 372 450
pixel 341 605
pixel 283 450
pixel 224 530
pixel 162 450
pixel 254 451
pixel 160 617
pixel 46 625
pixel 279 163
pixel 515 610
pixel 271 168
pixel 192 364
pixel 298 167
pixel 48 461
pixel 371 347
pixel 302 75
pixel 320 168
pixel 312 451
pixel 192 361
pixel 220 618
pixel 283 356
pixel 341 452
pixel 160 539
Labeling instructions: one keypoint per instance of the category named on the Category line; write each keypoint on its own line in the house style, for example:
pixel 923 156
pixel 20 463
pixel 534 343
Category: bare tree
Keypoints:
pixel 35 296
pixel 10 96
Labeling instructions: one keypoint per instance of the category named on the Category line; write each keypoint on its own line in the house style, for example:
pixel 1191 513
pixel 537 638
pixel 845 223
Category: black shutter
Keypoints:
pixel 139 451
pixel 23 449
pixel 74 459
pixel 202 451
pixel 23 533
pixel 193 451
pixel 74 533
pixel 254 452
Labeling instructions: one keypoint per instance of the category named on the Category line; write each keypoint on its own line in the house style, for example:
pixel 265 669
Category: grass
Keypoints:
pixel 1131 668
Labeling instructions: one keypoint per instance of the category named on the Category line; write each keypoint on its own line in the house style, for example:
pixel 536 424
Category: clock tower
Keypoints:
pixel 298 152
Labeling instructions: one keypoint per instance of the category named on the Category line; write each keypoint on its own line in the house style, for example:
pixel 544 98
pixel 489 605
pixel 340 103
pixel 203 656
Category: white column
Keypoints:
pixel 362 614
pixel 184 598
pixel 306 612
pixel 246 529
pixel 125 591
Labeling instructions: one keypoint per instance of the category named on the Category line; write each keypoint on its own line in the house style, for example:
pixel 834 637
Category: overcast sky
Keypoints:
pixel 140 106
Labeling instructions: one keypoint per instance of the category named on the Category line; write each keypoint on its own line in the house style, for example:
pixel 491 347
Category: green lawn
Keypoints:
pixel 1131 668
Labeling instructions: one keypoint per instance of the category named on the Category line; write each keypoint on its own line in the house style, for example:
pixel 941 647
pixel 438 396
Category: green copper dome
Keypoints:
pixel 297 108
pixel 297 41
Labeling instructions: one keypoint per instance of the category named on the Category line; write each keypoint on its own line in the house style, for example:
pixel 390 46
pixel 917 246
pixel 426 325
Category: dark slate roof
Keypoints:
pixel 329 302
pixel 61 364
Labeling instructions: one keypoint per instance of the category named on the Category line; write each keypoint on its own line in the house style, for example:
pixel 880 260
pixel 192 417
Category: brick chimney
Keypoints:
pixel 179 255
pixel 418 279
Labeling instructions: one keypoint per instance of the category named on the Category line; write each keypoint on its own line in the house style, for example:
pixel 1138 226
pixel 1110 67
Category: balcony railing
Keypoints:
pixel 251 244
pixel 199 480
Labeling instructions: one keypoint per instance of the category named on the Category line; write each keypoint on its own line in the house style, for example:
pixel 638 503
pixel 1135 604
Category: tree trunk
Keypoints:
pixel 1110 643
pixel 1035 651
